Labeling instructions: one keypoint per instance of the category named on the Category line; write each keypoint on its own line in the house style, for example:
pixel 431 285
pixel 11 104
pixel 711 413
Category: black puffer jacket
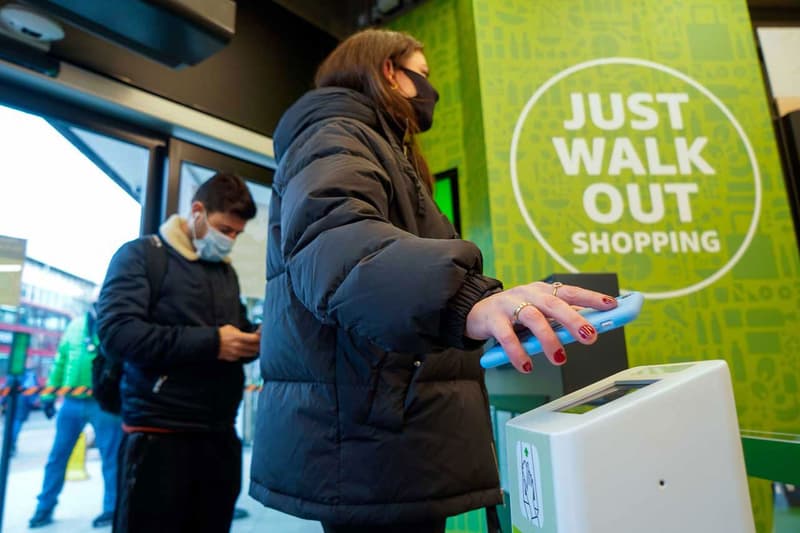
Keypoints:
pixel 172 378
pixel 372 411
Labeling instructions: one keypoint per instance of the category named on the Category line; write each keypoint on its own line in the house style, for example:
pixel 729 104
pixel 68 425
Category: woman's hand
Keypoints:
pixel 532 306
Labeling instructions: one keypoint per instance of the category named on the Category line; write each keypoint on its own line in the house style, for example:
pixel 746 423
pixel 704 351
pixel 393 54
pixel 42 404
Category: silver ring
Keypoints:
pixel 556 285
pixel 518 309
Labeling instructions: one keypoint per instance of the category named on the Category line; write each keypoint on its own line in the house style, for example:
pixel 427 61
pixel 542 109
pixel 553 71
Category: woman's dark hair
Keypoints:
pixel 226 193
pixel 357 64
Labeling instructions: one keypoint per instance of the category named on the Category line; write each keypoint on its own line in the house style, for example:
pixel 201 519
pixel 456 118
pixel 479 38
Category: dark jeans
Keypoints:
pixel 178 482
pixel 423 527
pixel 74 414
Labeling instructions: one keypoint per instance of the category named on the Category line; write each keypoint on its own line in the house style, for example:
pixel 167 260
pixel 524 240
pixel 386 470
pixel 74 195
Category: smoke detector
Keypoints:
pixel 26 25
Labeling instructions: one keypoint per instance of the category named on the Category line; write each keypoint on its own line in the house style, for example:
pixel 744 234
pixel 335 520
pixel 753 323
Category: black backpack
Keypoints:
pixel 106 371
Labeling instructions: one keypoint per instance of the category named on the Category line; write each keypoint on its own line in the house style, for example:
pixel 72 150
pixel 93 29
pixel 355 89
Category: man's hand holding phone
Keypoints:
pixel 235 344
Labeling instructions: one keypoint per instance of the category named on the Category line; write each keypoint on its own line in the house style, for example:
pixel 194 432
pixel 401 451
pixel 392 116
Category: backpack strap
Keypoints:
pixel 156 256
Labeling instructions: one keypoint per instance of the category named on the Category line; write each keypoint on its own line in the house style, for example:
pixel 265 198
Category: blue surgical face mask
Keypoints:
pixel 215 246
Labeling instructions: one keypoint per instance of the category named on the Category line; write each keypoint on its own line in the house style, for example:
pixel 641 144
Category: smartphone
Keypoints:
pixel 628 307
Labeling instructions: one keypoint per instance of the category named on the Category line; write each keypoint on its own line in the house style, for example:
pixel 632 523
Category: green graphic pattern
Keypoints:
pixel 445 29
pixel 671 180
pixel 490 57
pixel 748 317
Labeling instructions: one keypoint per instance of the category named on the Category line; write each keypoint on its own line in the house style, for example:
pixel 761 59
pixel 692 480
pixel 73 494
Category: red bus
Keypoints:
pixel 50 299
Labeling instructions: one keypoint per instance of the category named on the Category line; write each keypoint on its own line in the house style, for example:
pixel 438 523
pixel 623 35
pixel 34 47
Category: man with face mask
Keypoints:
pixel 180 459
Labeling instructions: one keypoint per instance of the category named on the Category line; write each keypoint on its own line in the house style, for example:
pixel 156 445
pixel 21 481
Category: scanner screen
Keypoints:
pixel 604 396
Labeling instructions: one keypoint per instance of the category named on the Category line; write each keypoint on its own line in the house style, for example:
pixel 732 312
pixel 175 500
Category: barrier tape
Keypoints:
pixel 76 391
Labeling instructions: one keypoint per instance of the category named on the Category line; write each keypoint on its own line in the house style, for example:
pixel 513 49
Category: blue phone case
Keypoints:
pixel 627 309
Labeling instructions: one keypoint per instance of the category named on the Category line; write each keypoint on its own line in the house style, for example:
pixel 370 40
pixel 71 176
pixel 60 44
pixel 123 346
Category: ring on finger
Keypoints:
pixel 556 285
pixel 519 309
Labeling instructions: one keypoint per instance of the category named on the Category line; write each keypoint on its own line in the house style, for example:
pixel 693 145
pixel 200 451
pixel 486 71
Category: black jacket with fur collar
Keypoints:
pixel 172 378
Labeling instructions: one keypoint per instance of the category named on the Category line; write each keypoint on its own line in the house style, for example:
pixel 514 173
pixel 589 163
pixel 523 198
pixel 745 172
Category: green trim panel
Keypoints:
pixel 773 456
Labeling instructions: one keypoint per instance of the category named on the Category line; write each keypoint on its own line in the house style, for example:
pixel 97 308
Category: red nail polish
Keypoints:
pixel 608 301
pixel 560 357
pixel 586 332
pixel 527 367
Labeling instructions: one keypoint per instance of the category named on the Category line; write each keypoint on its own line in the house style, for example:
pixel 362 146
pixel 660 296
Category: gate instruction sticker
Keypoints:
pixel 530 484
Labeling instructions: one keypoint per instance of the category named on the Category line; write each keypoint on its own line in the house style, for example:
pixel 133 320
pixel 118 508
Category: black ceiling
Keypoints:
pixel 269 62
pixel 340 18
pixel 272 57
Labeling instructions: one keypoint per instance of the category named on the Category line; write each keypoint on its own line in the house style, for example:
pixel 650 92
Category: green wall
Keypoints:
pixel 749 315
pixel 445 29
pixel 735 298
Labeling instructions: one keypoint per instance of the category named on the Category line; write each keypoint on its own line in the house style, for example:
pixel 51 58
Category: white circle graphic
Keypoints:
pixel 751 230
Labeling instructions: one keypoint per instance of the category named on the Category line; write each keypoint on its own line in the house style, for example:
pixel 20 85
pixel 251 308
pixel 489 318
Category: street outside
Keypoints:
pixel 81 501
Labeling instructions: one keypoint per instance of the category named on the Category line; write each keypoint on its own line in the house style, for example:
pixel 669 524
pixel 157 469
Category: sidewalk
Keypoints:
pixel 80 501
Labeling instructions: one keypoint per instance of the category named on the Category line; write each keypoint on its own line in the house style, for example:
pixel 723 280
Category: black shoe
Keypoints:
pixel 239 513
pixel 41 519
pixel 104 520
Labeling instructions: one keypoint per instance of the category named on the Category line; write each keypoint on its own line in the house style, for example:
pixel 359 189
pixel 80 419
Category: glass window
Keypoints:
pixel 75 196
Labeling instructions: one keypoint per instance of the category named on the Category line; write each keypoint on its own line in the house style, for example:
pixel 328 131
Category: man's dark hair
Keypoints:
pixel 226 193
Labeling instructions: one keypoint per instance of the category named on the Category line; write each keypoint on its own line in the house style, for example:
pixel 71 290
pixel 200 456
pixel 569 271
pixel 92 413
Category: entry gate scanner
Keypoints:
pixel 652 449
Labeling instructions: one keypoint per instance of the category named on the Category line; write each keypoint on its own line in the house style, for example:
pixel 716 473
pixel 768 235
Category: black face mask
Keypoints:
pixel 425 100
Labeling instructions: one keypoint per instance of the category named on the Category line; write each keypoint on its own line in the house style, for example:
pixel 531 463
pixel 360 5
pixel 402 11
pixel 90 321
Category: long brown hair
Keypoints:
pixel 357 64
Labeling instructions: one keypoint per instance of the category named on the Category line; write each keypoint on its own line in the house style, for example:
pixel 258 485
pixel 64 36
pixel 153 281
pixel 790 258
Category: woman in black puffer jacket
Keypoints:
pixel 374 415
